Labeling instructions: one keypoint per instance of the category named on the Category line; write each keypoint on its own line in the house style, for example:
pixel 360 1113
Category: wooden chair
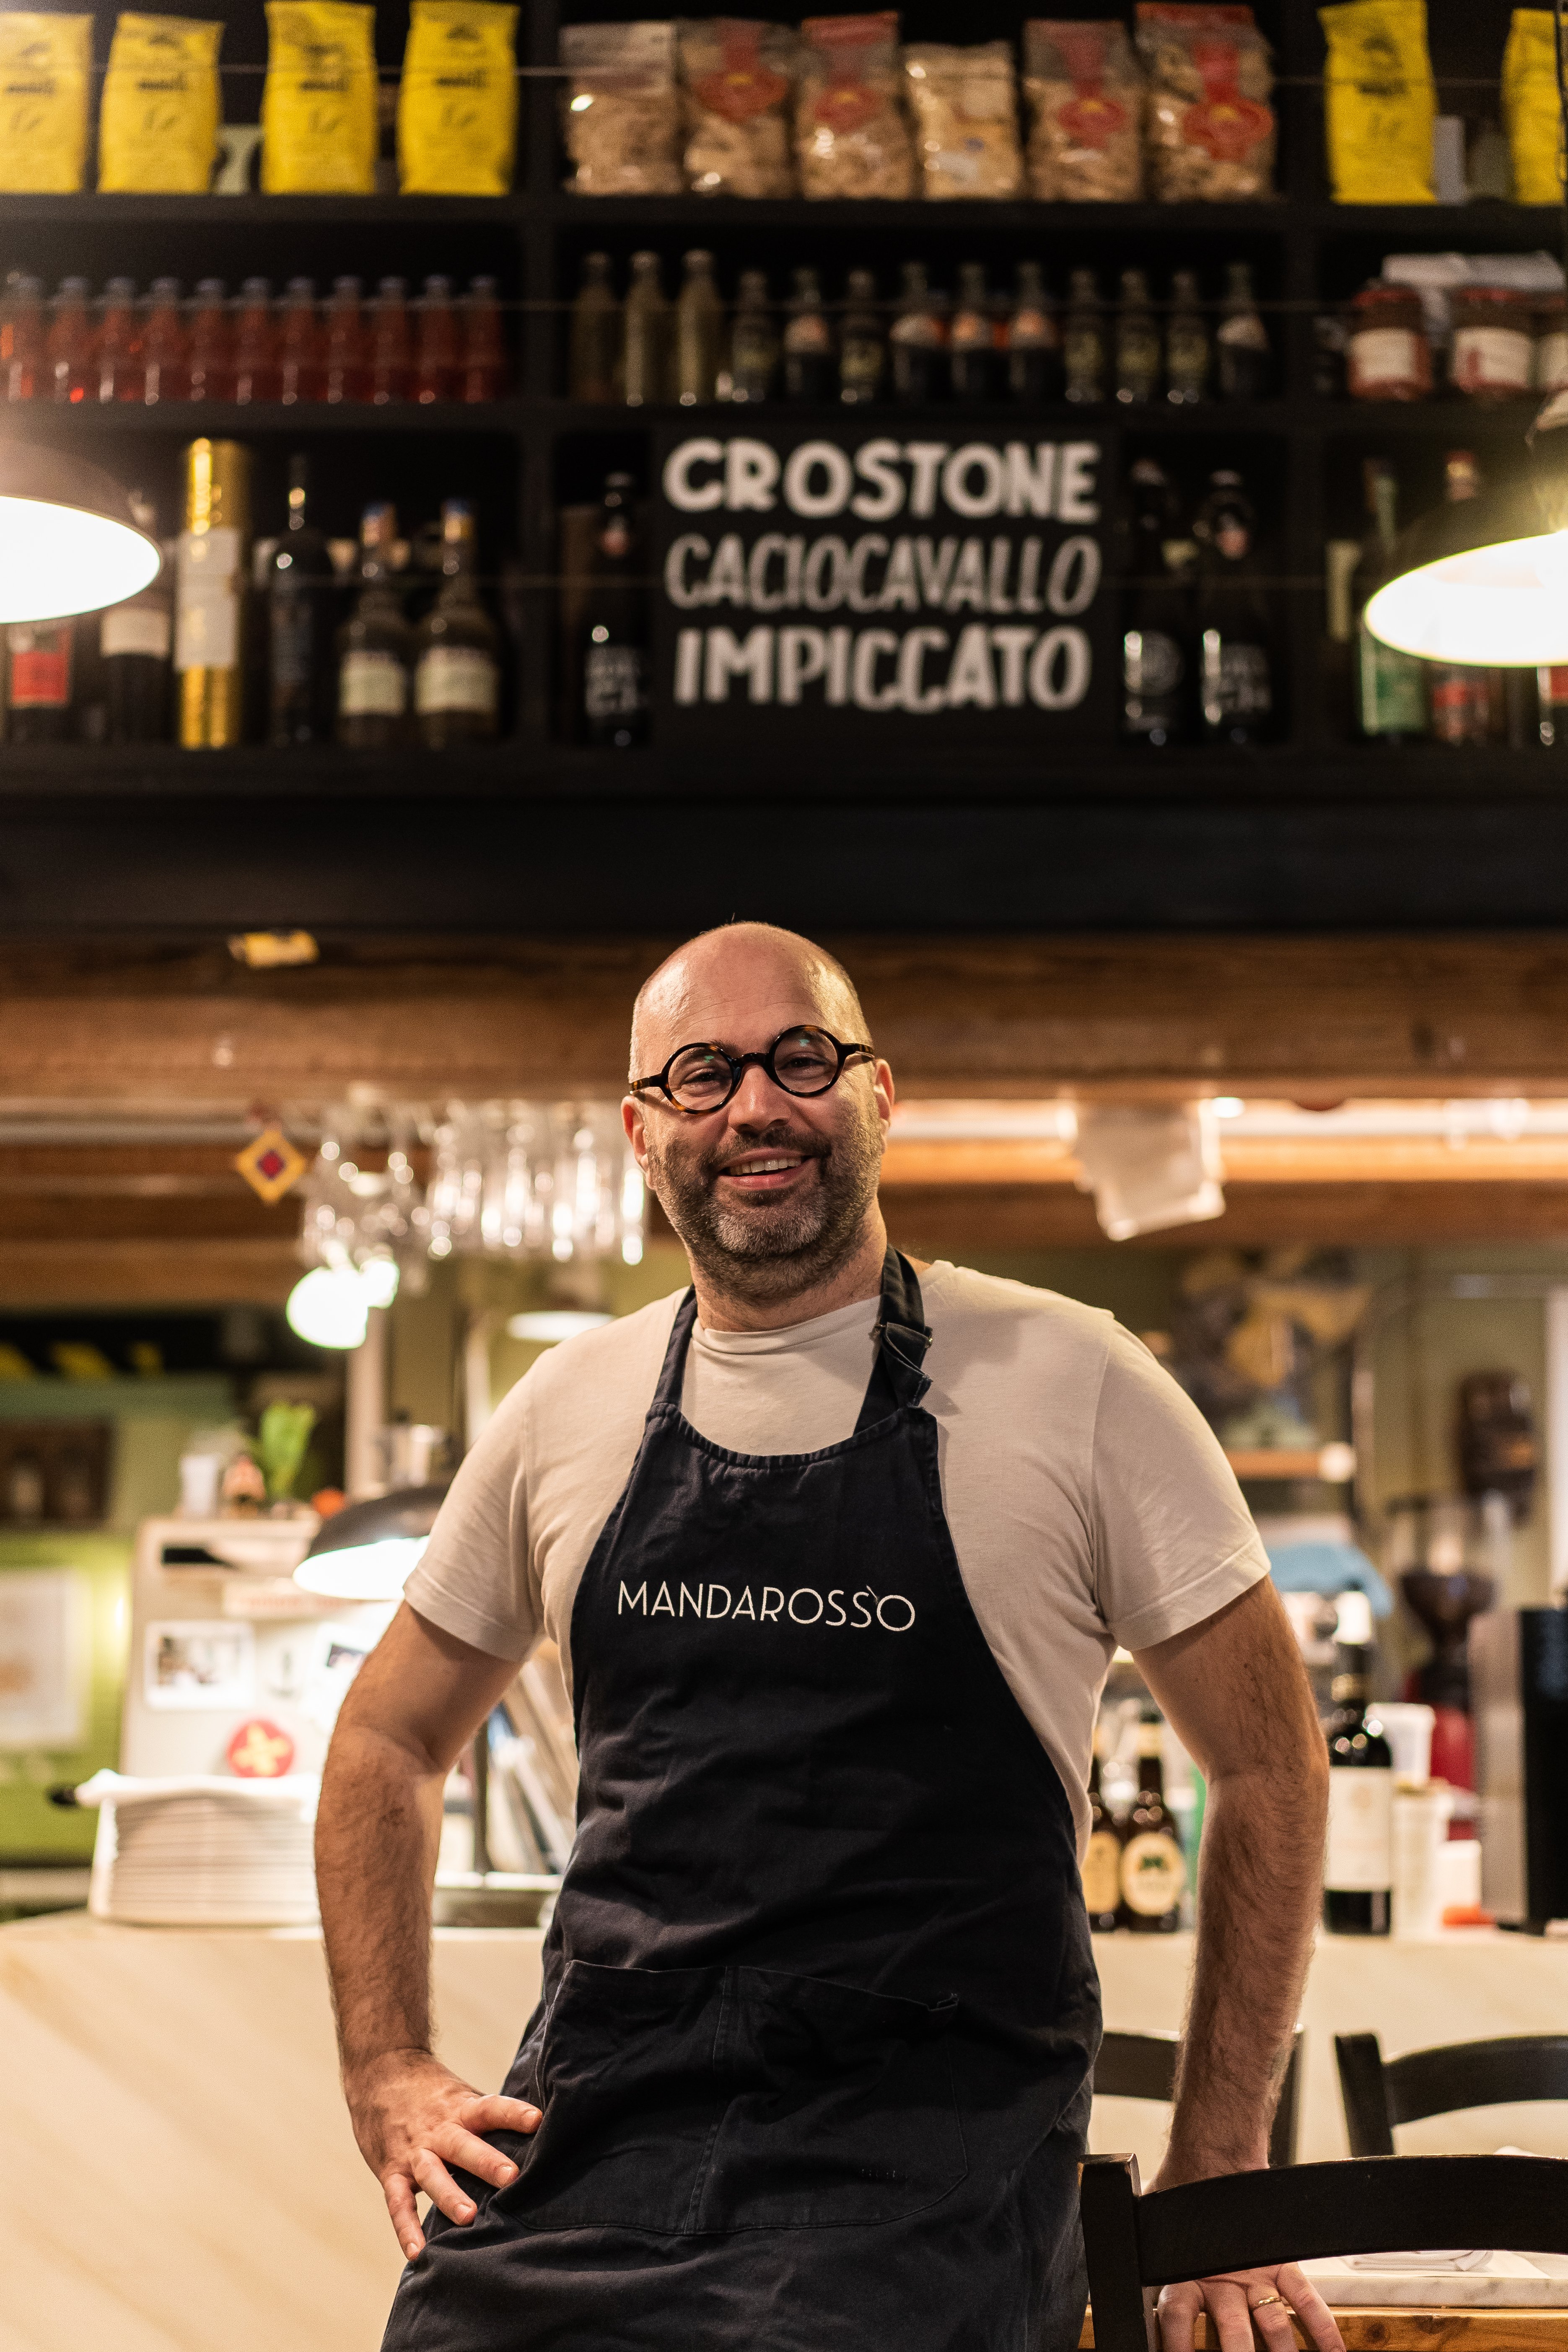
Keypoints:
pixel 1371 2205
pixel 1144 2066
pixel 1379 2093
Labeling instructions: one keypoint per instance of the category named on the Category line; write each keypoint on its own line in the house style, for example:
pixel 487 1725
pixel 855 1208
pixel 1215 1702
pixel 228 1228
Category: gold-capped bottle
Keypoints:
pixel 1102 1855
pixel 1153 1868
pixel 212 566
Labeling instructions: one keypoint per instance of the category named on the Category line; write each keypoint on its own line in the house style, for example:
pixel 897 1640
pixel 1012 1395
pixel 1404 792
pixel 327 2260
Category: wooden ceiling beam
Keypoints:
pixel 961 1220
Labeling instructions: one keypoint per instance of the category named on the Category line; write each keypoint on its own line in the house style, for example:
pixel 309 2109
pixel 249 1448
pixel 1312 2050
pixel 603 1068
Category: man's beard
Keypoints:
pixel 764 1247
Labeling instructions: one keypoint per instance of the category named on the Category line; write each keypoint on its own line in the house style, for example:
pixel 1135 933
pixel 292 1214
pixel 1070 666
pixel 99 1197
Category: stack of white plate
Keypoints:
pixel 204 1851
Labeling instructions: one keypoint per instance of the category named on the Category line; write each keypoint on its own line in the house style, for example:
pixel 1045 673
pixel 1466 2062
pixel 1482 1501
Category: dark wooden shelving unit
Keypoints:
pixel 1314 831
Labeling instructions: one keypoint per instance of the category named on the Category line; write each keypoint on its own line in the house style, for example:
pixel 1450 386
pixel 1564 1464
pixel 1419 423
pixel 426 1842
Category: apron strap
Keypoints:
pixel 673 1374
pixel 902 1336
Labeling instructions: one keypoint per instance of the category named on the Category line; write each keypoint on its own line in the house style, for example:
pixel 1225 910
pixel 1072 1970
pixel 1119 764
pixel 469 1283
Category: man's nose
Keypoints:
pixel 757 1101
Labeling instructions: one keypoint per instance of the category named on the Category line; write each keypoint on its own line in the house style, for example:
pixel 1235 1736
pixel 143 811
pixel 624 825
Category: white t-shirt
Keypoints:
pixel 1088 1500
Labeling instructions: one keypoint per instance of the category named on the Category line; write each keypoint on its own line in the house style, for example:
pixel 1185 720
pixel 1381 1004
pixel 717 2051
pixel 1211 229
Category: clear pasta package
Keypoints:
pixel 622 110
pixel 1210 120
pixel 965 102
pixel 157 121
pixel 1530 108
pixel 456 102
pixel 851 136
pixel 319 127
pixel 1085 92
pixel 44 61
pixel 737 81
pixel 1379 102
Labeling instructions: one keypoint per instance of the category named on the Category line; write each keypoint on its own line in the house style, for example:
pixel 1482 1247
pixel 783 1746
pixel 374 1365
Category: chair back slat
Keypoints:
pixel 1363 2090
pixel 1144 2066
pixel 1123 2307
pixel 1476 2074
pixel 1367 2206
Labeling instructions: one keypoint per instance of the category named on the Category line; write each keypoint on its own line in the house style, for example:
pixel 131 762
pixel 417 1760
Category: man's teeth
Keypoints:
pixel 764 1167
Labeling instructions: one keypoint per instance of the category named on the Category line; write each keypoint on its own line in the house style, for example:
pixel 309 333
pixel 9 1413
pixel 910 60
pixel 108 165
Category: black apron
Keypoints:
pixel 819 2006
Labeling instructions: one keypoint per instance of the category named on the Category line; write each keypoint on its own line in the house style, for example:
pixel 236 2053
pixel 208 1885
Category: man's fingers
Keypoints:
pixel 493 2113
pixel 1273 2323
pixel 405 2212
pixel 439 2186
pixel 1177 2310
pixel 1231 2313
pixel 458 2147
pixel 1311 2309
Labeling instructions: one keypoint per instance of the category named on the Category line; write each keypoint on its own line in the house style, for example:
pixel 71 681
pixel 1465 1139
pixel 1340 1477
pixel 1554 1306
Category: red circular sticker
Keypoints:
pixel 1227 128
pixel 259 1750
pixel 1091 119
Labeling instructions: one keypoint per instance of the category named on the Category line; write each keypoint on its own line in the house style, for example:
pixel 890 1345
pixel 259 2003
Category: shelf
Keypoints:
pixel 903 215
pixel 1059 416
pixel 89 210
pixel 186 418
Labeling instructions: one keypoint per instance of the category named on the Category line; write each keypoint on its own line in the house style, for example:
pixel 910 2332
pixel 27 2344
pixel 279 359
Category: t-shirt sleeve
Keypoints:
pixel 476 1577
pixel 1174 1541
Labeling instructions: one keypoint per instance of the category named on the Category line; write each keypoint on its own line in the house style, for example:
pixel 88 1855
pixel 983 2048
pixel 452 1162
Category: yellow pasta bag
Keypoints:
pixel 1529 108
pixel 318 124
pixel 44 65
pixel 157 126
pixel 1380 102
pixel 457 104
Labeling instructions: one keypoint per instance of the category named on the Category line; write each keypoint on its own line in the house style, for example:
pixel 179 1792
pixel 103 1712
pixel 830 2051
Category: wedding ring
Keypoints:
pixel 1265 2300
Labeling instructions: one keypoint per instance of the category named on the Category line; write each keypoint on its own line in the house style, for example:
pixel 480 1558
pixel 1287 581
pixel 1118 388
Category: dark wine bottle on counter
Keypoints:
pixel 1242 339
pixel 919 340
pixel 1033 340
pixel 1156 669
pixel 753 374
pixel 373 644
pixel 457 665
pixel 1188 353
pixel 1083 339
pixel 596 332
pixel 1153 1868
pixel 1137 344
pixel 809 368
pixel 971 336
pixel 615 636
pixel 301 616
pixel 862 343
pixel 1358 1871
pixel 135 641
pixel 1236 667
pixel 1102 1855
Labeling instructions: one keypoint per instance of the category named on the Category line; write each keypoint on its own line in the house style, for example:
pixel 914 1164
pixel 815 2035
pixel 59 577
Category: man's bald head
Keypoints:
pixel 700 994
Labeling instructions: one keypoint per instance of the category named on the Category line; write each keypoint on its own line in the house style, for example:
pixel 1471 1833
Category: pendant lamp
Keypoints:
pixel 67 542
pixel 368 1551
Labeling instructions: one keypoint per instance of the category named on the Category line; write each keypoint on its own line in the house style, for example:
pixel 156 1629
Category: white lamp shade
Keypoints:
pixel 67 542
pixel 1504 605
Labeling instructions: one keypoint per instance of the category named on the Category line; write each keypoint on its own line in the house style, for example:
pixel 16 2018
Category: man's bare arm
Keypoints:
pixel 416 1701
pixel 1236 1691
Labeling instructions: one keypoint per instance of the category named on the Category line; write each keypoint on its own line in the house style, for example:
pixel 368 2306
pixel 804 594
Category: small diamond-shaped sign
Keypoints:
pixel 269 1163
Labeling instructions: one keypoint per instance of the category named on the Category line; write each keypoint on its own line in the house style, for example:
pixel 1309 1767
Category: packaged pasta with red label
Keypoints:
pixel 736 81
pixel 851 138
pixel 1210 123
pixel 1086 105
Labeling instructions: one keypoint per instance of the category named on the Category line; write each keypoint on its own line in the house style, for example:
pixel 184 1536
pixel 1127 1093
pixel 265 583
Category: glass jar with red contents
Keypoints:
pixel 1494 351
pixel 1386 353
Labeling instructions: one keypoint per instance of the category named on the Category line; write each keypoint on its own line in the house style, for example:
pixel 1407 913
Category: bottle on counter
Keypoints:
pixel 373 645
pixel 121 374
pixel 1137 348
pixel 435 343
pixel 752 372
pixel 862 342
pixel 391 344
pixel 1083 339
pixel 596 333
pixel 1102 1855
pixel 69 360
pixel 1358 1869
pixel 1234 632
pixel 1189 355
pixel 1156 669
pixel 482 368
pixel 972 339
pixel 918 339
pixel 210 355
pixel 699 333
pixel 166 364
pixel 301 625
pixel 135 642
pixel 456 660
pixel 810 367
pixel 1153 1868
pixel 345 353
pixel 22 364
pixel 1033 340
pixel 40 663
pixel 1241 340
pixel 1459 694
pixel 614 628
pixel 1390 686
pixel 255 372
pixel 212 565
pixel 646 350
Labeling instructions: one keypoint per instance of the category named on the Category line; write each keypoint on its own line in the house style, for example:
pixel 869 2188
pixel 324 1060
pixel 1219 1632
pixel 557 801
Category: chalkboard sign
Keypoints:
pixel 834 584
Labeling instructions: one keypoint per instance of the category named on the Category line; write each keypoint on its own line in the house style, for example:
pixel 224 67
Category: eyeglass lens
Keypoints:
pixel 804 1062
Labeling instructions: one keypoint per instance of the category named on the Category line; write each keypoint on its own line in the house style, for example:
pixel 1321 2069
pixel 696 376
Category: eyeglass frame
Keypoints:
pixel 739 1063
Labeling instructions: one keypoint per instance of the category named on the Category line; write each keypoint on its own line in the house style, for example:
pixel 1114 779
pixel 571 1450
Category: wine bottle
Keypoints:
pixel 862 342
pixel 301 614
pixel 596 332
pixel 373 644
pixel 255 372
pixel 1390 688
pixel 1188 355
pixel 457 665
pixel 1153 1868
pixel 918 341
pixel 1033 340
pixel 1102 1855
pixel 1156 669
pixel 165 365
pixel 482 373
pixel 68 362
pixel 135 640
pixel 614 631
pixel 752 372
pixel 435 343
pixel 1460 693
pixel 809 367
pixel 1083 339
pixel 38 681
pixel 1234 632
pixel 210 354
pixel 120 376
pixel 22 365
pixel 1242 339
pixel 345 366
pixel 1358 1871
pixel 699 333
pixel 972 337
pixel 299 371
pixel 391 355
pixel 1137 342
pixel 212 566
pixel 646 351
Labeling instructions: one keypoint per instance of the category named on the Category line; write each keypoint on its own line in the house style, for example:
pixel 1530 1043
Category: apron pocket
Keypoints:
pixel 630 2099
pixel 841 2107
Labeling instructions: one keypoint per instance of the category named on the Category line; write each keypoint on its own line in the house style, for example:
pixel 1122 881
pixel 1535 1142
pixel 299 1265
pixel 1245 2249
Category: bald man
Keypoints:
pixel 837 1549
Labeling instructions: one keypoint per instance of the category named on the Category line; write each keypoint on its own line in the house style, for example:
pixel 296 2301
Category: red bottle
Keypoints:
pixel 299 369
pixel 346 370
pixel 119 371
pixel 483 370
pixel 255 372
pixel 210 357
pixel 69 350
pixel 436 347
pixel 389 342
pixel 22 338
pixel 165 362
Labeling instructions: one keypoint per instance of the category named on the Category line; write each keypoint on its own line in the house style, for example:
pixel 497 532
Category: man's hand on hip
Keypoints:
pixel 1238 2300
pixel 413 2118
